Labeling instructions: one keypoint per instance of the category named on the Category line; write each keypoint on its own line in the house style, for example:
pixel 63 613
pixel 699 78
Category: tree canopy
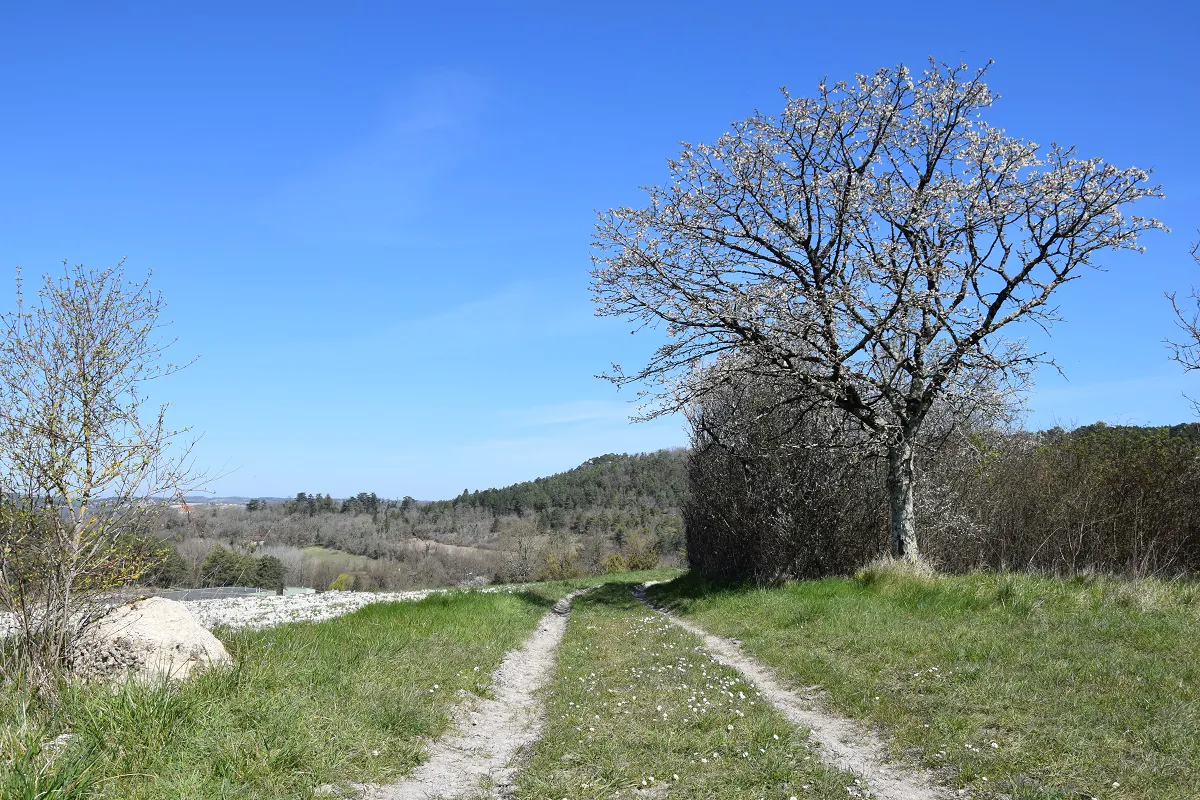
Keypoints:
pixel 870 249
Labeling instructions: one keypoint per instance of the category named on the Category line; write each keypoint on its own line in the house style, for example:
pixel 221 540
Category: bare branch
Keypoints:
pixel 873 246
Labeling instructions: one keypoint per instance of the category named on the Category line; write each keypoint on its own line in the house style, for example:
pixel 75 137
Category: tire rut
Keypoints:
pixel 479 757
pixel 844 744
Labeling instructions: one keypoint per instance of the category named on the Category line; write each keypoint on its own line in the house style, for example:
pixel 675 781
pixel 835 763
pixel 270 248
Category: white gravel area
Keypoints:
pixel 265 611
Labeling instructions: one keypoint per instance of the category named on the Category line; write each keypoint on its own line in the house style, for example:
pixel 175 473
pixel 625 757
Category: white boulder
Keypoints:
pixel 147 639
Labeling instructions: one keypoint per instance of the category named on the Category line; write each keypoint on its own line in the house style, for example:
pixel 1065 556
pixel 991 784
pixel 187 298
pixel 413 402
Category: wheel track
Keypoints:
pixel 843 743
pixel 479 757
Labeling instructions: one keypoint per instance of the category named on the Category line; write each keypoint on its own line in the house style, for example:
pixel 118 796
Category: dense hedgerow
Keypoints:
pixel 775 493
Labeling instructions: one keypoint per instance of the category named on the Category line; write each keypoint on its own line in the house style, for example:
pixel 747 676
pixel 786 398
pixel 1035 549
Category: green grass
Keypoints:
pixel 351 699
pixel 634 707
pixel 556 589
pixel 1087 687
pixel 32 768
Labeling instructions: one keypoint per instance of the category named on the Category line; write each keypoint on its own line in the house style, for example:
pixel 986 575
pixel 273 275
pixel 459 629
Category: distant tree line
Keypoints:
pixel 313 504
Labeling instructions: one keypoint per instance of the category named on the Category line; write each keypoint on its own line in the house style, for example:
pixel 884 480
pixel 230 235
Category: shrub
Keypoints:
pixel 560 567
pixel 765 505
pixel 614 563
pixel 641 555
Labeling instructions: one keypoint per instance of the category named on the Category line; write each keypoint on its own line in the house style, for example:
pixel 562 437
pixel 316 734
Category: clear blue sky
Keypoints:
pixel 371 220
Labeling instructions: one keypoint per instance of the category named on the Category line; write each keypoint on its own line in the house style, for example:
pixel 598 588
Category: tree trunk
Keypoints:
pixel 900 499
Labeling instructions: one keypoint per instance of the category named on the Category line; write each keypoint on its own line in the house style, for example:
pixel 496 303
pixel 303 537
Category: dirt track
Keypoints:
pixel 478 758
pixel 844 744
pixel 481 755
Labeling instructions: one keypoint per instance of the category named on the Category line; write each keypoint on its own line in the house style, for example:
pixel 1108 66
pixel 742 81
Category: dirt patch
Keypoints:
pixel 479 757
pixel 843 743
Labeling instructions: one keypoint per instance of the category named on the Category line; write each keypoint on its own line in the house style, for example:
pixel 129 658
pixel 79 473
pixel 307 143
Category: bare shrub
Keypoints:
pixel 778 492
pixel 83 456
pixel 1099 498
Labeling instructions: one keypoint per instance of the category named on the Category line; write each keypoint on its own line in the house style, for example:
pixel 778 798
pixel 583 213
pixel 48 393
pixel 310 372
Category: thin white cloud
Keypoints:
pixel 376 189
pixel 567 413
pixel 517 311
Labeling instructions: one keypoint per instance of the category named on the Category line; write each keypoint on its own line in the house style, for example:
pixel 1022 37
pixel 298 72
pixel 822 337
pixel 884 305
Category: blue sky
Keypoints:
pixel 371 220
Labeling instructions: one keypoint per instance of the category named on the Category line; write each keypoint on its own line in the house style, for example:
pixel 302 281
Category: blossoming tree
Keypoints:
pixel 872 248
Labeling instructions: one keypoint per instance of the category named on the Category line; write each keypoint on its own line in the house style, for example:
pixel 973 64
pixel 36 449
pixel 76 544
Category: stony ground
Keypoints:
pixel 265 611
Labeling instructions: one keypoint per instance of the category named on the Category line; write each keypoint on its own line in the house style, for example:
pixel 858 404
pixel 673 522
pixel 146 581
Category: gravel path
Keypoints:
pixel 844 744
pixel 478 757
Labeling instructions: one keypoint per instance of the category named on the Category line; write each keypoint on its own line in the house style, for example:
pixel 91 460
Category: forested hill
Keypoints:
pixel 610 481
pixel 558 526
pixel 1185 431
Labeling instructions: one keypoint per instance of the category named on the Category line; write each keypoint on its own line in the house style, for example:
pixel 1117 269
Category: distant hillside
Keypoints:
pixel 560 525
pixel 616 498
pixel 656 479
pixel 208 500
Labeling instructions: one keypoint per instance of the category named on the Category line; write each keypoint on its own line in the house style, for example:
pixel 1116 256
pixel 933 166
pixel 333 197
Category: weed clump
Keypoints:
pixel 886 569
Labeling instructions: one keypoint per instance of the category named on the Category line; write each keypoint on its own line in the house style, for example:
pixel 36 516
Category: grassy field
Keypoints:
pixel 1012 685
pixel 636 710
pixel 352 699
pixel 343 562
pixel 349 699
